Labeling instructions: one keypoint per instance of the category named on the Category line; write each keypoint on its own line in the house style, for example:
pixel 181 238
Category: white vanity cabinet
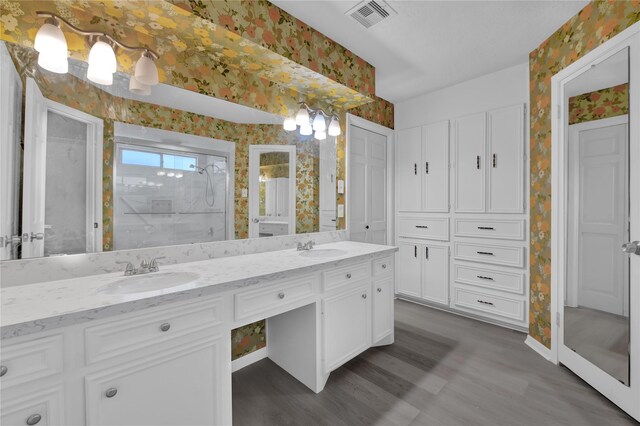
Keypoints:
pixel 424 271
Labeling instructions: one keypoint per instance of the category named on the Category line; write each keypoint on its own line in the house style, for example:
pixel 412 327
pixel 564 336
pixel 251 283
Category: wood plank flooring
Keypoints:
pixel 443 369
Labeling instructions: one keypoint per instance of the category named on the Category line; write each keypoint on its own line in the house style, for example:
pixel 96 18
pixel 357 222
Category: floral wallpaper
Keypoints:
pixel 247 339
pixel 595 24
pixel 379 111
pixel 604 103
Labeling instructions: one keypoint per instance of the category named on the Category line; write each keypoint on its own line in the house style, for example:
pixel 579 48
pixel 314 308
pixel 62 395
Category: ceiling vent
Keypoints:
pixel 370 12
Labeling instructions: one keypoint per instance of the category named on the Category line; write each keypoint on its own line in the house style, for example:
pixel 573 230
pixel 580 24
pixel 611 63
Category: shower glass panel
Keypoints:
pixel 65 228
pixel 596 308
pixel 165 197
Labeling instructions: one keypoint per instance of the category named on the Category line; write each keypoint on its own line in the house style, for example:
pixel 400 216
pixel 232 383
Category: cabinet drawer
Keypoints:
pixel 505 229
pixel 345 275
pixel 383 266
pixel 428 228
pixel 254 302
pixel 31 360
pixel 513 282
pixel 115 338
pixel 42 407
pixel 499 306
pixel 488 253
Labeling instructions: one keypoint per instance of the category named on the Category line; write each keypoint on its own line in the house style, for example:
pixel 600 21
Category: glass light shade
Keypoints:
pixel 53 62
pixel 52 48
pixel 302 117
pixel 320 135
pixel 102 63
pixel 334 127
pixel 289 124
pixel 306 130
pixel 146 71
pixel 138 88
pixel 318 123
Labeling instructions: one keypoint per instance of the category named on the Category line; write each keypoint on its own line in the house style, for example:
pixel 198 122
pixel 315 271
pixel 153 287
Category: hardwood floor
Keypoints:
pixel 443 369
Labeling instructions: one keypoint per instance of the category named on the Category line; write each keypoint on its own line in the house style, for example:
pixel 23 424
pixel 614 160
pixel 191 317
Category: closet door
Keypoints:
pixel 435 274
pixel 506 160
pixel 409 154
pixel 435 166
pixel 470 163
pixel 409 264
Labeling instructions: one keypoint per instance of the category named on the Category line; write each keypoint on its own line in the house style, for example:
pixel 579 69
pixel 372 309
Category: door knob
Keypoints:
pixel 34 419
pixel 366 227
pixel 111 392
pixel 256 220
pixel 632 248
pixel 36 236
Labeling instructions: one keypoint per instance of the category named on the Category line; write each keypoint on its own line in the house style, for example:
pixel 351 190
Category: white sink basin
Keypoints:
pixel 149 282
pixel 322 253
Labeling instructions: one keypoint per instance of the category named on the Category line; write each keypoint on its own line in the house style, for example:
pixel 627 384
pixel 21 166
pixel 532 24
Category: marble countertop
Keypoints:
pixel 31 308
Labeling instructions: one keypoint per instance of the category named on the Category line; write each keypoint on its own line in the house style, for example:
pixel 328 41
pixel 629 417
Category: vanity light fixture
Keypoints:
pixel 334 127
pixel 306 130
pixel 320 135
pixel 302 117
pixel 318 122
pixel 53 54
pixel 318 125
pixel 289 124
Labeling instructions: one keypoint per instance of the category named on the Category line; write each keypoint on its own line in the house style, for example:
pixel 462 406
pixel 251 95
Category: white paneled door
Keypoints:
pixel 409 173
pixel 367 186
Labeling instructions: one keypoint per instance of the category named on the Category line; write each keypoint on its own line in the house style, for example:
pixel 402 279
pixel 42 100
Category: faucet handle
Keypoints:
pixel 144 263
pixel 153 265
pixel 129 269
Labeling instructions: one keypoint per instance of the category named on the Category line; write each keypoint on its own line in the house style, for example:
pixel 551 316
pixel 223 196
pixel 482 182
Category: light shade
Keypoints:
pixel 289 124
pixel 334 127
pixel 138 88
pixel 302 117
pixel 102 63
pixel 52 48
pixel 318 122
pixel 146 71
pixel 306 130
pixel 320 135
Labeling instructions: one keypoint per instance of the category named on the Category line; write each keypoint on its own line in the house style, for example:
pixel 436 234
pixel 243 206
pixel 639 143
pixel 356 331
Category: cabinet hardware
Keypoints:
pixel 485 253
pixel 379 290
pixel 366 227
pixel 364 295
pixel 36 236
pixel 484 278
pixel 422 226
pixel 33 419
pixel 3 370
pixel 281 295
pixel 426 167
pixel 384 266
pixel 165 327
pixel 487 228
pixel 415 168
pixel 478 162
pixel 111 392
pixel 415 251
pixel 484 302
pixel 349 275
pixel 426 253
pixel 495 160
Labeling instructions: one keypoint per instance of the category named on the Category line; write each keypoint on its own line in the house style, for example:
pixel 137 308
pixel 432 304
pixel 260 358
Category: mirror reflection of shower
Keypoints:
pixel 209 188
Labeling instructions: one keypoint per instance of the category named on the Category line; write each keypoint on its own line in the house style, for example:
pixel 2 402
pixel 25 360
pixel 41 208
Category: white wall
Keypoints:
pixel 502 88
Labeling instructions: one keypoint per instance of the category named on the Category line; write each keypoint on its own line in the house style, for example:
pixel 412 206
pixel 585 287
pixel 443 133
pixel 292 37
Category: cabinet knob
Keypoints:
pixel 379 290
pixel 165 327
pixel 384 266
pixel 3 370
pixel 364 295
pixel 34 419
pixel 349 275
pixel 111 392
pixel 281 295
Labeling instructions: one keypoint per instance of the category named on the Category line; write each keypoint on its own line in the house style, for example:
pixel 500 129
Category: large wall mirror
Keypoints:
pixel 89 168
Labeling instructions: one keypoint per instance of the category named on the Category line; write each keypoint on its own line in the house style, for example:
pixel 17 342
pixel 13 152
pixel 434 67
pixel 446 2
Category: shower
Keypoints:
pixel 209 188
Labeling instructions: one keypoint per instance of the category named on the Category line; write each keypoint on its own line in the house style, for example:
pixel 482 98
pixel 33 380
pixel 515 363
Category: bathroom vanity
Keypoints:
pixel 156 348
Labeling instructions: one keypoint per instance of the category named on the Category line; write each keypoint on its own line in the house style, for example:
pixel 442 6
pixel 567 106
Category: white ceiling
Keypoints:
pixel 435 44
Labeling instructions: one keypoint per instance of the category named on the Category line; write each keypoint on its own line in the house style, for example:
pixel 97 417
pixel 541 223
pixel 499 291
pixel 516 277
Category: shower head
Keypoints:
pixel 200 170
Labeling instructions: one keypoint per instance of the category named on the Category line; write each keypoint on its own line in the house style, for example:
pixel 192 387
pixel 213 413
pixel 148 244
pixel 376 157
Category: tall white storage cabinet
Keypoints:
pixel 468 257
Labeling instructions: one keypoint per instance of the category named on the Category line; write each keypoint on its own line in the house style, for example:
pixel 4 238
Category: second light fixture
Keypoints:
pixel 317 126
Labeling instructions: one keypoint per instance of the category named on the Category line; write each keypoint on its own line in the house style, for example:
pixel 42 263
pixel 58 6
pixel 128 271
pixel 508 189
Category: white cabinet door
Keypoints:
pixel 408 267
pixel 346 326
pixel 435 167
pixel 470 163
pixel 506 160
pixel 184 386
pixel 39 406
pixel 382 308
pixel 409 171
pixel 435 274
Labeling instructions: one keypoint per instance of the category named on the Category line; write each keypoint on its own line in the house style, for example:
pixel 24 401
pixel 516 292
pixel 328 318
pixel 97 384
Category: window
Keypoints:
pixel 157 159
pixel 178 162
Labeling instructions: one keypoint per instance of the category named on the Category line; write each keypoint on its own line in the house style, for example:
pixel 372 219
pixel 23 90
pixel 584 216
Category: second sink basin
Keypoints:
pixel 149 282
pixel 322 253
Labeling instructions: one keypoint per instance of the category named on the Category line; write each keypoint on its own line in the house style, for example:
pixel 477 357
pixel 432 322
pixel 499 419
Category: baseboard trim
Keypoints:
pixel 249 359
pixel 541 349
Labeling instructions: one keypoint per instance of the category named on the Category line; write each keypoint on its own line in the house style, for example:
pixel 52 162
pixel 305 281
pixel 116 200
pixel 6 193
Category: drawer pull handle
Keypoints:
pixel 495 160
pixel 415 169
pixel 281 295
pixel 349 275
pixel 384 266
pixel 486 228
pixel 486 253
pixel 111 392
pixel 485 303
pixel 484 278
pixel 379 290
pixel 478 162
pixel 364 295
pixel 3 370
pixel 422 226
pixel 165 327
pixel 34 419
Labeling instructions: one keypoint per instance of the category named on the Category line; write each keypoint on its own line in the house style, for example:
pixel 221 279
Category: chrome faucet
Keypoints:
pixel 306 246
pixel 144 268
